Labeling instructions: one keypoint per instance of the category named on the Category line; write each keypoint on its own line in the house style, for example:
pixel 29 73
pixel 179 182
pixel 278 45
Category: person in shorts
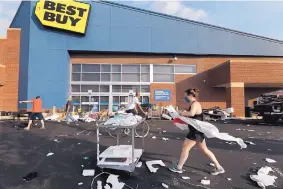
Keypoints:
pixel 36 112
pixel 134 104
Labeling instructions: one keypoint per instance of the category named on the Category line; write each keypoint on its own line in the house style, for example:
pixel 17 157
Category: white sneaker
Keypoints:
pixel 216 171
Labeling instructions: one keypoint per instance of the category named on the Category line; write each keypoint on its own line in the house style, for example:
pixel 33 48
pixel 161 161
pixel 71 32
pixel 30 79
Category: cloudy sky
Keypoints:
pixel 257 17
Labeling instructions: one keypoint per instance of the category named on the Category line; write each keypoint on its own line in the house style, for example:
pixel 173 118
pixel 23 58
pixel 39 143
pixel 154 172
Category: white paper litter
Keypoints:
pixel 269 149
pixel 80 183
pixel 205 182
pixel 79 143
pixel 50 154
pixel 165 185
pixel 99 184
pixel 124 119
pixel 82 165
pixel 229 179
pixel 150 164
pixel 53 117
pixel 262 178
pixel 185 178
pixel 88 172
pixel 113 180
pixel 270 160
pixel 251 130
pixel 154 137
pixel 238 129
pixel 165 139
pixel 139 164
pixel 164 131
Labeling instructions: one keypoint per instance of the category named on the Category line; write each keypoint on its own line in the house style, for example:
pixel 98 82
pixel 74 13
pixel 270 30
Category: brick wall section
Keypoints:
pixel 10 57
pixel 220 74
pixel 236 99
pixel 162 86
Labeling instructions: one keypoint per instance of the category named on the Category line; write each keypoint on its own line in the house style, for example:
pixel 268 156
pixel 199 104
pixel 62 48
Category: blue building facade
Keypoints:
pixel 45 59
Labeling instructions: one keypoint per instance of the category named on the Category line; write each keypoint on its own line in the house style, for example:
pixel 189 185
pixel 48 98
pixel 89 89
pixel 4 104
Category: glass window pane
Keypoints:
pixel 185 69
pixel 105 77
pixel 104 88
pixel 145 68
pixel 116 88
pixel 76 77
pixel 90 77
pixel 91 67
pixel 76 68
pixel 116 100
pixel 163 78
pixel 85 98
pixel 116 77
pixel 131 77
pixel 116 68
pixel 145 77
pixel 76 88
pixel 94 88
pixel 76 100
pixel 104 100
pixel 145 89
pixel 145 99
pixel 105 68
pixel 163 69
pixel 131 68
pixel 126 88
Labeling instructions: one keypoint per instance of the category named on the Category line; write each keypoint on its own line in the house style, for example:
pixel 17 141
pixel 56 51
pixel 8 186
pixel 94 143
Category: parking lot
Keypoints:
pixel 74 146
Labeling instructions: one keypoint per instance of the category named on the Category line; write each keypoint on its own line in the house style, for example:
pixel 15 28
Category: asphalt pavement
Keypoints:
pixel 74 148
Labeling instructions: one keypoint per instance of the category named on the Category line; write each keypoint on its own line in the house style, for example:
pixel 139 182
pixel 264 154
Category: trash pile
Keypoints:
pixel 124 119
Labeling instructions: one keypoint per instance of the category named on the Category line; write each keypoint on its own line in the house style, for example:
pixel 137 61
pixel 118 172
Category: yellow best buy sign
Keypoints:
pixel 63 14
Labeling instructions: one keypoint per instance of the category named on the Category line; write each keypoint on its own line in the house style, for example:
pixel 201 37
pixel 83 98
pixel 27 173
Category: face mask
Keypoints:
pixel 187 99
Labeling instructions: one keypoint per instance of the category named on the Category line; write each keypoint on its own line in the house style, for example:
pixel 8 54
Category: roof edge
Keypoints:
pixel 189 21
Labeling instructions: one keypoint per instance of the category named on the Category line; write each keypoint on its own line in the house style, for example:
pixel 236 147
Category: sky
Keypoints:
pixel 257 17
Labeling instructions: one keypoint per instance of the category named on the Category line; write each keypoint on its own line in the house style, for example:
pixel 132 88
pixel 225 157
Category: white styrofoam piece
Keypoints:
pixel 88 172
pixel 99 184
pixel 165 139
pixel 251 130
pixel 50 154
pixel 165 185
pixel 262 178
pixel 154 137
pixel 80 183
pixel 121 151
pixel 270 160
pixel 205 182
pixel 185 178
pixel 229 179
pixel 154 162
pixel 139 164
pixel 113 180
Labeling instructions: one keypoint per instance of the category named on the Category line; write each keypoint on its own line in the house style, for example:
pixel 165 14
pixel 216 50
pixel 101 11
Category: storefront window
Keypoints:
pixel 131 77
pixel 85 88
pixel 76 88
pixel 76 77
pixel 116 77
pixel 76 68
pixel 163 77
pixel 105 77
pixel 185 69
pixel 131 68
pixel 163 73
pixel 91 68
pixel 90 77
pixel 116 88
pixel 116 68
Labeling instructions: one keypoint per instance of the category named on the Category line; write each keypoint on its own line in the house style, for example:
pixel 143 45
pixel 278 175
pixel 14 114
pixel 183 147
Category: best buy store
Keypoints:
pixel 102 50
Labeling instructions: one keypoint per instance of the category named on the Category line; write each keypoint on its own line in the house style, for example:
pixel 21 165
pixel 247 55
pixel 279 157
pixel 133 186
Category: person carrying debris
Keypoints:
pixel 68 110
pixel 36 112
pixel 194 136
pixel 133 104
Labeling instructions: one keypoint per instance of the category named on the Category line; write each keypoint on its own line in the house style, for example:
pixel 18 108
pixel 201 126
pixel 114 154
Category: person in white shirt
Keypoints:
pixel 134 104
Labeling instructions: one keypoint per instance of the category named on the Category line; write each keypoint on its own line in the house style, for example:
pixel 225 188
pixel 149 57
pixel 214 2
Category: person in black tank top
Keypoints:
pixel 194 136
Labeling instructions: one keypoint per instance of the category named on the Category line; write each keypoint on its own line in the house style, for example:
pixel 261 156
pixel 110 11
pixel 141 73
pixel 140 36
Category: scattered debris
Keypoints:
pixel 268 132
pixel 205 182
pixel 249 142
pixel 88 172
pixel 79 143
pixel 262 178
pixel 270 160
pixel 212 164
pixel 231 143
pixel 269 149
pixel 251 130
pixel 225 122
pixel 154 137
pixel 238 129
pixel 164 131
pixel 163 138
pixel 139 164
pixel 229 179
pixel 50 154
pixel 185 178
pixel 154 162
pixel 86 158
pixel 56 140
pixel 178 138
pixel 165 185
pixel 254 163
pixel 113 180
pixel 248 125
pixel 251 137
pixel 82 165
pixel 30 176
pixel 205 178
pixel 80 183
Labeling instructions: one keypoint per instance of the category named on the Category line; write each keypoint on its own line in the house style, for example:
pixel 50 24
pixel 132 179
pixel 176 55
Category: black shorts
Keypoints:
pixel 131 111
pixel 195 135
pixel 34 115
